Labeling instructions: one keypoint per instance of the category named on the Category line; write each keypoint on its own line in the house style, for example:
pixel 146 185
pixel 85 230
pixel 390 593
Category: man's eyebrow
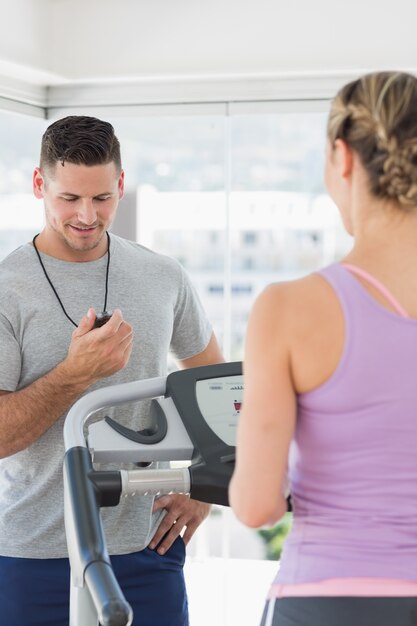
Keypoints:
pixel 75 195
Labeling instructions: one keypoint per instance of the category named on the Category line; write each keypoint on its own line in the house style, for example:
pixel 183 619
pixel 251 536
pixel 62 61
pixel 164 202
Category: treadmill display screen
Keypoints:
pixel 220 403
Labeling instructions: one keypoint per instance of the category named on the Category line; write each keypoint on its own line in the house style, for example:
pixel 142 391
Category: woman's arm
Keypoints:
pixel 267 420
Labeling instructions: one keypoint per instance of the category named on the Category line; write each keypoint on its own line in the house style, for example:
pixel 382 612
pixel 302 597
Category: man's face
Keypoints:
pixel 80 205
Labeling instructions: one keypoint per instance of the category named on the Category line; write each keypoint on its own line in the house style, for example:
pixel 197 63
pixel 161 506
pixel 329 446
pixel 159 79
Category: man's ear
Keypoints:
pixel 38 183
pixel 344 157
pixel 121 185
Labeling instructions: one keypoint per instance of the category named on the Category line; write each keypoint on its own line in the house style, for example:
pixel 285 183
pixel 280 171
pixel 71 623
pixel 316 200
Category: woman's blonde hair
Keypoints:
pixel 377 117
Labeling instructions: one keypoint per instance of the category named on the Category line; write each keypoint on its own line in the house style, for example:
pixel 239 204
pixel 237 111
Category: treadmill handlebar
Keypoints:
pixel 210 484
pixel 109 601
pixel 104 398
pixel 90 562
pixel 87 489
pixel 85 536
pixel 155 482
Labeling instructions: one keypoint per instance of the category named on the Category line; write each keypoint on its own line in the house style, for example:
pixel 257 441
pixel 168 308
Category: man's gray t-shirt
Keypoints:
pixel 158 300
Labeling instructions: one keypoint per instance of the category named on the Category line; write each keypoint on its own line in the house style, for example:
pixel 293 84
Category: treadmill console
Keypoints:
pixel 220 401
pixel 209 400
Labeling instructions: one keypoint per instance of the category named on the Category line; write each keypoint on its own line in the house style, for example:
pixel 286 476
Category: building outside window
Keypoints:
pixel 239 200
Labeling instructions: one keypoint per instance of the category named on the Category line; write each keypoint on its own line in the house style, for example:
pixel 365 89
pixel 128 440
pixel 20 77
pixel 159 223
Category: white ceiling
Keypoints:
pixel 146 42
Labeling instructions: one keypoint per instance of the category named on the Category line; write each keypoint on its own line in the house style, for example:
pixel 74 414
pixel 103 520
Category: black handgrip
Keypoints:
pixel 111 606
pixel 90 555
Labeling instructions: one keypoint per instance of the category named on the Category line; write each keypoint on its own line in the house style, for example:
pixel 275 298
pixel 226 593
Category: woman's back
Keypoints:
pixel 353 461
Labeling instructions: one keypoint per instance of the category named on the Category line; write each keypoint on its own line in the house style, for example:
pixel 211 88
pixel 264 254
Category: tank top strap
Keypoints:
pixel 379 286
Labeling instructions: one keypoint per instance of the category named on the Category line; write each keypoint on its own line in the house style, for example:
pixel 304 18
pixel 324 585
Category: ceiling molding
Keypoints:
pixel 197 90
pixel 152 95
pixel 177 90
pixel 22 96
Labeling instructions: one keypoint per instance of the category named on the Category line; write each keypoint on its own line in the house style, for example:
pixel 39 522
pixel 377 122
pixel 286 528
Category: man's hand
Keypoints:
pixel 25 415
pixel 182 511
pixel 96 353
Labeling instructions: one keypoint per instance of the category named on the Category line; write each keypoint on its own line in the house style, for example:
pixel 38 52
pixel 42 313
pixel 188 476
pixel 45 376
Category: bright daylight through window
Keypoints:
pixel 21 215
pixel 239 207
pixel 240 202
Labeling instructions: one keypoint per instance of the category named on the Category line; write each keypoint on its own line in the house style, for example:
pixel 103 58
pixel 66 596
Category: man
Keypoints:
pixel 51 353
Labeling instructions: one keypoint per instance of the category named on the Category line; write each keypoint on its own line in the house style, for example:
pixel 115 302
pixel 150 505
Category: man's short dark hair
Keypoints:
pixel 80 140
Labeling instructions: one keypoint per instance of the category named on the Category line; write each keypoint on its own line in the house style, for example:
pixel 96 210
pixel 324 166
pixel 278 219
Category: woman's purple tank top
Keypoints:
pixel 353 460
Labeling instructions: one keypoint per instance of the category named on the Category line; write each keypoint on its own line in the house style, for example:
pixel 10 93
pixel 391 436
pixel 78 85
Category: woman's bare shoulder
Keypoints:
pixel 302 296
pixel 307 315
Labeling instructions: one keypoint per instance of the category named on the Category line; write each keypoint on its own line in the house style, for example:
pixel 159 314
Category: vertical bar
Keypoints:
pixel 227 324
pixel 82 609
pixel 227 294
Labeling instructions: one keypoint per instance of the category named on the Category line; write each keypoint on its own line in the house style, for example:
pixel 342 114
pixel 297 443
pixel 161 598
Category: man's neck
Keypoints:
pixel 59 248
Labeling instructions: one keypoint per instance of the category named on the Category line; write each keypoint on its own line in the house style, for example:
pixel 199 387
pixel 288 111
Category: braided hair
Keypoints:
pixel 376 116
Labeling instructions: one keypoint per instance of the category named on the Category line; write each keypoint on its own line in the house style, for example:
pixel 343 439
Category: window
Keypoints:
pixel 21 215
pixel 175 168
pixel 240 202
pixel 283 224
pixel 249 238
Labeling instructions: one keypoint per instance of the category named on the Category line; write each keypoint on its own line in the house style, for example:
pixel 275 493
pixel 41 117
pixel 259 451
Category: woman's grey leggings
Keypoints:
pixel 342 611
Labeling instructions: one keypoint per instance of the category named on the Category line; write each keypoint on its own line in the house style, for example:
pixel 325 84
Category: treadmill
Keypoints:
pixel 195 414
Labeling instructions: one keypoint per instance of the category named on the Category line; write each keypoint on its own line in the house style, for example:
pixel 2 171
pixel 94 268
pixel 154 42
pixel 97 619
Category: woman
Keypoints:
pixel 337 350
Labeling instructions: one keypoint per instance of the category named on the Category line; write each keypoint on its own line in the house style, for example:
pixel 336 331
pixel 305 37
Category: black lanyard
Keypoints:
pixel 55 291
